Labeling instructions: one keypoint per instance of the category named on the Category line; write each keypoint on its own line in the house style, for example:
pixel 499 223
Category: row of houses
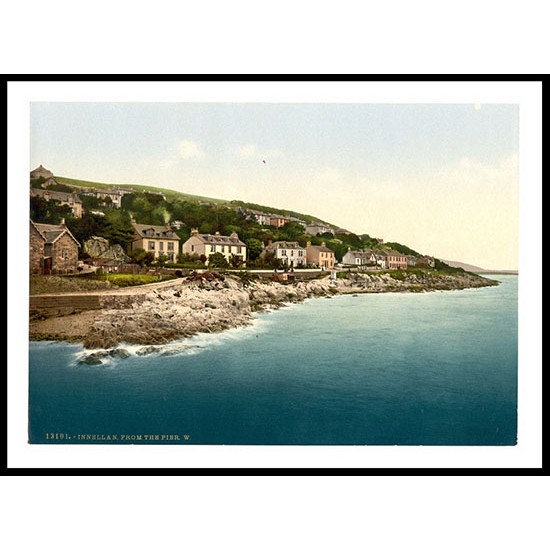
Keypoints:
pixel 276 221
pixel 162 240
pixel 53 248
pixel 265 218
pixel 291 254
pixel 114 194
pixel 385 259
pixel 72 200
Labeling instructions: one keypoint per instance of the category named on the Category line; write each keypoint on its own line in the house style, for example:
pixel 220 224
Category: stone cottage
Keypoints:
pixel 53 249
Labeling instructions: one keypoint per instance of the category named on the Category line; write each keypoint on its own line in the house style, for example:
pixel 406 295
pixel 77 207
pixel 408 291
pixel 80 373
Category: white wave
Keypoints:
pixel 187 346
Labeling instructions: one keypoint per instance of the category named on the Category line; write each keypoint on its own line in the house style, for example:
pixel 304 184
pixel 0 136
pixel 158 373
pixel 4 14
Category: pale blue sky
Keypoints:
pixel 441 178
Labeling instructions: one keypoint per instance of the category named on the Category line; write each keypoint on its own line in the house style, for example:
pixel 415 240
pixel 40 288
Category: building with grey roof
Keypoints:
pixel 160 240
pixel 70 199
pixel 290 253
pixel 205 244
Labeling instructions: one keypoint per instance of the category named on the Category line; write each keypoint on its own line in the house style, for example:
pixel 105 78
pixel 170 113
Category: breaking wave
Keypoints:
pixel 188 346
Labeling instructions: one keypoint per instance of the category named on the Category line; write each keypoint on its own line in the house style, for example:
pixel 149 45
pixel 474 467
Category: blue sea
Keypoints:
pixel 437 368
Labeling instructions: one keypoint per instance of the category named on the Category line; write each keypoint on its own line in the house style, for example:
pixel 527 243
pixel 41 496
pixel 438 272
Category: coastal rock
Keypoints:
pixel 98 247
pixel 121 353
pixel 91 360
pixel 211 304
pixel 147 350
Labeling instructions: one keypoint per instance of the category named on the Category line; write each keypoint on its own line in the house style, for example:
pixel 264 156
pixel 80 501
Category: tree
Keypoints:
pixel 254 247
pixel 206 227
pixel 217 260
pixel 118 228
pixel 236 261
pixel 43 211
pixel 37 183
pixel 187 258
pixel 60 187
pixel 154 198
pixel 162 259
pixel 291 231
pixel 90 203
pixel 142 257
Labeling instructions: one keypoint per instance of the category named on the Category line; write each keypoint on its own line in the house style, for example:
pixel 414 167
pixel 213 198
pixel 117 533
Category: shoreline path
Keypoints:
pixel 74 315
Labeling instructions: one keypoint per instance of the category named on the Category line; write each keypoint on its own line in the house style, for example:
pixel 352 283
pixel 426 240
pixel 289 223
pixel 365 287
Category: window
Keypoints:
pixel 65 253
pixel 192 248
pixel 170 257
pixel 170 246
pixel 223 248
pixel 161 245
pixel 151 245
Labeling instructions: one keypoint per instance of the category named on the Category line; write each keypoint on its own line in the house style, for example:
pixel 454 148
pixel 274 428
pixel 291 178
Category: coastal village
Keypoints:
pixel 103 273
pixel 54 249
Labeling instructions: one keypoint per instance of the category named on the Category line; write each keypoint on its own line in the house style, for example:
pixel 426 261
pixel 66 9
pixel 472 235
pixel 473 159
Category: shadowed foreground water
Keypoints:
pixel 436 368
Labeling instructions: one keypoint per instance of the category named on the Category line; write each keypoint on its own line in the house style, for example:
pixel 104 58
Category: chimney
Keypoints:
pixel 62 221
pixel 217 234
pixel 194 231
pixel 234 235
pixel 308 244
pixel 323 243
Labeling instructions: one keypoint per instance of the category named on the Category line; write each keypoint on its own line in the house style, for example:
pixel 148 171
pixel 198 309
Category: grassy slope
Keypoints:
pixel 170 194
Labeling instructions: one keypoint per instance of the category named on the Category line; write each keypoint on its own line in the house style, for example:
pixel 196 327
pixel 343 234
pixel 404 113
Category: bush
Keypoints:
pixel 217 260
pixel 398 275
pixel 131 279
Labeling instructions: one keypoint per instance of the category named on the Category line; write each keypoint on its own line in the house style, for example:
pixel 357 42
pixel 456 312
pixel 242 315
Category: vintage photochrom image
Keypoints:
pixel 263 273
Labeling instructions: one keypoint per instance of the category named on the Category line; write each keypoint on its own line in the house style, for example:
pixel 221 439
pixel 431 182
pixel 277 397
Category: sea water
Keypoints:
pixel 434 368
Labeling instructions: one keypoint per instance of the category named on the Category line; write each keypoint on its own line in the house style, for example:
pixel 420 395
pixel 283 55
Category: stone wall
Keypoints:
pixel 36 251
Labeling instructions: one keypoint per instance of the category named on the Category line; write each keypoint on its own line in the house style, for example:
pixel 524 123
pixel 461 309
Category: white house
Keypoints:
pixel 359 257
pixel 290 253
pixel 206 244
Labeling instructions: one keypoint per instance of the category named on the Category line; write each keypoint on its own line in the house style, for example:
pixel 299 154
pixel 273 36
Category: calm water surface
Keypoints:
pixel 435 368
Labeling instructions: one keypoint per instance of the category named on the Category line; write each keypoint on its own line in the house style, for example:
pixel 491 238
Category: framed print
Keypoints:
pixel 236 265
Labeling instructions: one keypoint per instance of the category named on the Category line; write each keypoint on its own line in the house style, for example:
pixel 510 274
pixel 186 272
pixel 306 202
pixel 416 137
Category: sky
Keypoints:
pixel 441 178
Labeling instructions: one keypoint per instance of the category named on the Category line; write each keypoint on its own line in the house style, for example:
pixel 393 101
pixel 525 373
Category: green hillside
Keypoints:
pixel 168 193
pixel 153 205
pixel 171 194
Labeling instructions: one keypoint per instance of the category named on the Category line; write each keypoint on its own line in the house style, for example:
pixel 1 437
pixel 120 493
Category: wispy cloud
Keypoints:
pixel 188 149
pixel 251 150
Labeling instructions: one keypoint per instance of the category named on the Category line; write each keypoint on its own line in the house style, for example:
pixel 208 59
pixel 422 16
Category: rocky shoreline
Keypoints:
pixel 210 302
